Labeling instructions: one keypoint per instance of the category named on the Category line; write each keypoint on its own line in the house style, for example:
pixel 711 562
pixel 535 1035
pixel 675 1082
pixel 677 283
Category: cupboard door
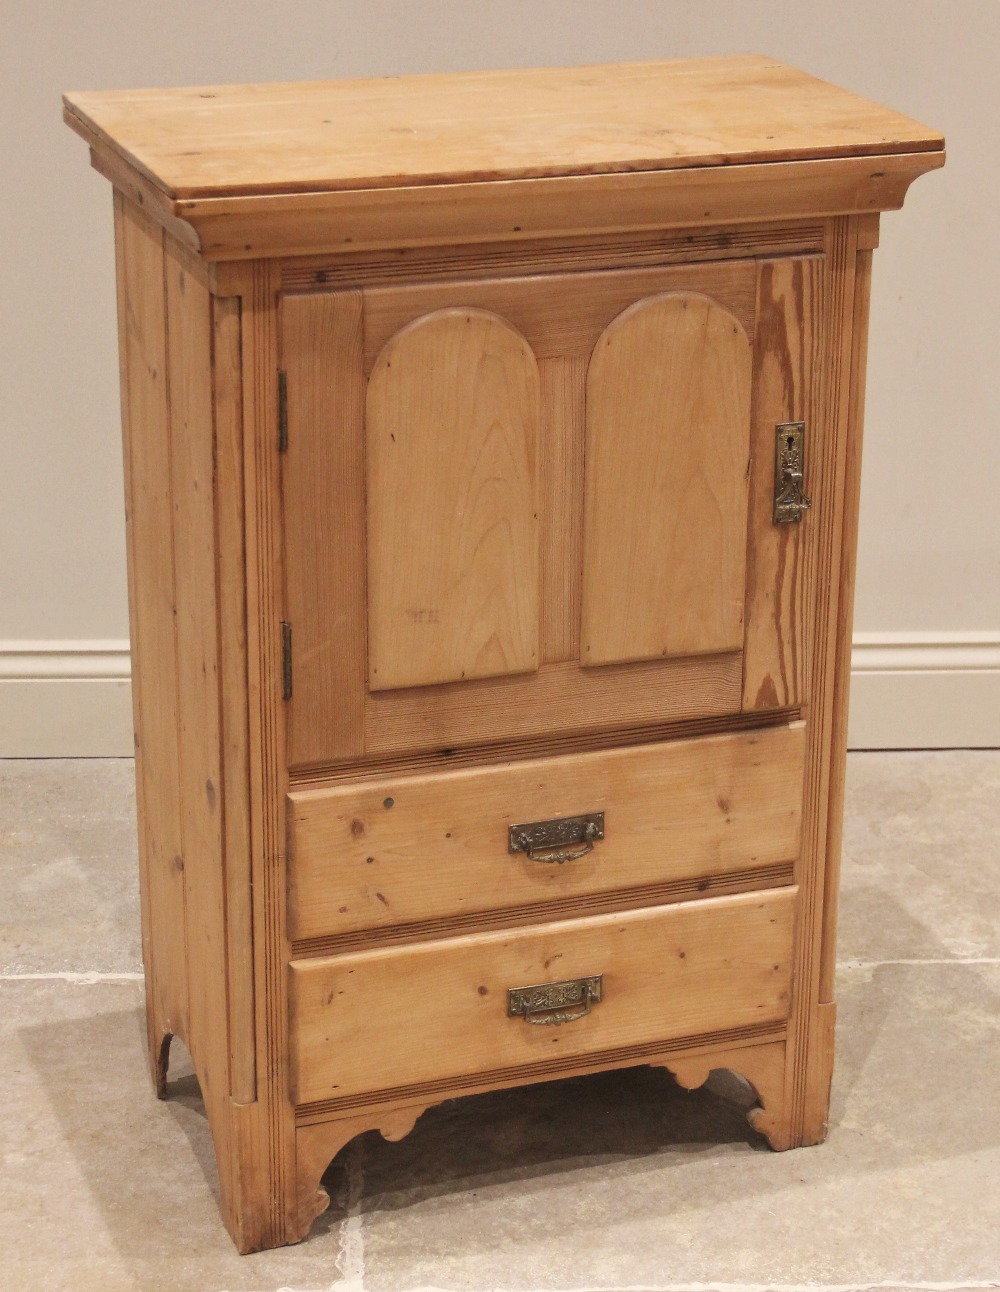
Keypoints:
pixel 452 516
pixel 667 467
pixel 530 507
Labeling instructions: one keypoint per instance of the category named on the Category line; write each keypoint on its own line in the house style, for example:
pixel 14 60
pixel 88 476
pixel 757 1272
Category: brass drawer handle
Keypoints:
pixel 547 841
pixel 546 1003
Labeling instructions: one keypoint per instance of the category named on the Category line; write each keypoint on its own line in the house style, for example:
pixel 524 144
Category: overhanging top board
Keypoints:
pixel 329 136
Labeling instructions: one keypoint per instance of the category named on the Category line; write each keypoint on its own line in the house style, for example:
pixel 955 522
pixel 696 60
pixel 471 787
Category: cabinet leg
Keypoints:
pixel 316 1146
pixel 764 1067
pixel 158 1055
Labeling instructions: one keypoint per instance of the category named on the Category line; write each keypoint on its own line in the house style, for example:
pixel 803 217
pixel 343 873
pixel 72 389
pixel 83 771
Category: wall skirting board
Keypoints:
pixel 926 690
pixel 65 699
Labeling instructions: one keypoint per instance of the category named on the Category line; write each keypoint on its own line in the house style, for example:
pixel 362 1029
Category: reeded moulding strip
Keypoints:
pixel 683 890
pixel 543 255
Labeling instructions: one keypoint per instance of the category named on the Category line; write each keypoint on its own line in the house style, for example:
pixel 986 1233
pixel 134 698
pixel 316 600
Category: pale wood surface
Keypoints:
pixel 845 620
pixel 576 252
pixel 786 389
pixel 297 224
pixel 559 315
pixel 560 471
pixel 392 227
pixel 810 1050
pixel 681 810
pixel 485 125
pixel 667 459
pixel 227 348
pixel 560 699
pixel 323 484
pixel 452 502
pixel 269 1214
pixel 151 558
pixel 667 972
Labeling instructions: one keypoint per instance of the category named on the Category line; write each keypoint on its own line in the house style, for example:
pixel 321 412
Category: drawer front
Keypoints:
pixel 400 1016
pixel 436 847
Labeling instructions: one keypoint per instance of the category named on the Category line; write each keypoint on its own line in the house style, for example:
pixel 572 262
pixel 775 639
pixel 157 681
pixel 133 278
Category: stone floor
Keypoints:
pixel 621 1181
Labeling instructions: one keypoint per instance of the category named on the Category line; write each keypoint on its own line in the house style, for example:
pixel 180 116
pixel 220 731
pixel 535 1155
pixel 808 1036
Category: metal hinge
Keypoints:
pixel 286 660
pixel 282 410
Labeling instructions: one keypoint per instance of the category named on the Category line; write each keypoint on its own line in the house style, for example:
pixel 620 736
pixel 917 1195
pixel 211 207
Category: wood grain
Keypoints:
pixel 667 972
pixel 557 700
pixel 668 425
pixel 705 1044
pixel 574 252
pixel 193 479
pixel 559 315
pixel 269 1213
pixel 227 379
pixel 810 1053
pixel 398 131
pixel 683 810
pixel 154 687
pixel 452 474
pixel 561 507
pixel 787 388
pixel 323 488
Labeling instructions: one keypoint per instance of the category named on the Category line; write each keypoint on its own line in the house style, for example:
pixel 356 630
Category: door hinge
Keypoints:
pixel 286 660
pixel 282 410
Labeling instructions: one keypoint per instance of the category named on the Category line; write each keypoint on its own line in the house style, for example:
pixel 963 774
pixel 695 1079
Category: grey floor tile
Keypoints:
pixel 104 1188
pixel 621 1181
pixel 921 868
pixel 69 895
pixel 617 1181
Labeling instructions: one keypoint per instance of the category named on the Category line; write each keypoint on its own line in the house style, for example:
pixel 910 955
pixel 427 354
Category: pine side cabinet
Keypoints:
pixel 492 456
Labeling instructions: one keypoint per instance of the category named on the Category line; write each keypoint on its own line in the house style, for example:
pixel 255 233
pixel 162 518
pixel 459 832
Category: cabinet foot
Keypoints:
pixel 763 1067
pixel 159 1060
pixel 316 1146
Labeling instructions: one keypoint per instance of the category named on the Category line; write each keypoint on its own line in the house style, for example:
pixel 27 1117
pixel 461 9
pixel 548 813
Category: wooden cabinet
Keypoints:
pixel 492 448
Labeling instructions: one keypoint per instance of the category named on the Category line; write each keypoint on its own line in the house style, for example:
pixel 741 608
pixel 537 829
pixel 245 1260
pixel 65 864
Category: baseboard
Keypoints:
pixel 936 690
pixel 71 699
pixel 65 699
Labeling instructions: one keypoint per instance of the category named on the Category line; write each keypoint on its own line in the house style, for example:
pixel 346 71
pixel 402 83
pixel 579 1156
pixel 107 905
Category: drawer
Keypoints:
pixel 420 849
pixel 400 1016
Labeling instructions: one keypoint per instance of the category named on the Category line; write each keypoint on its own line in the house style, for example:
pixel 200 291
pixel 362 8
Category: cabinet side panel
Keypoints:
pixel 323 482
pixel 668 425
pixel 193 480
pixel 784 391
pixel 452 489
pixel 154 652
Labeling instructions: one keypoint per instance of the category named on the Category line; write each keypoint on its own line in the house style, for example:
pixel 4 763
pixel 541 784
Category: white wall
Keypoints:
pixel 928 602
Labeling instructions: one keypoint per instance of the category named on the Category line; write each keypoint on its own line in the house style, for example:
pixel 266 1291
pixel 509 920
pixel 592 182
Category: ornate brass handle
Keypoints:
pixel 545 1004
pixel 547 841
pixel 559 855
pixel 790 499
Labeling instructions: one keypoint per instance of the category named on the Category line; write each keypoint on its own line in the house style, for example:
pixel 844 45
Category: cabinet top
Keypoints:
pixel 330 136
